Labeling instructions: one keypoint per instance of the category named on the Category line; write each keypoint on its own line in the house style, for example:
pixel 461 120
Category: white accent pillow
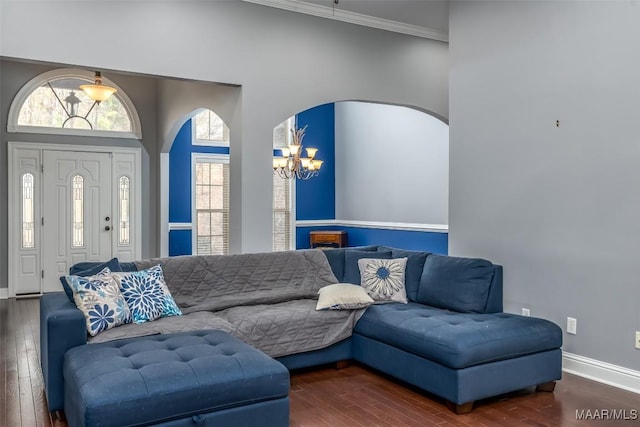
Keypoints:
pixel 100 300
pixel 384 279
pixel 343 296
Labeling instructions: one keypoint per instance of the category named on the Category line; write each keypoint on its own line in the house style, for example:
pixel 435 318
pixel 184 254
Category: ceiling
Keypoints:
pixel 421 18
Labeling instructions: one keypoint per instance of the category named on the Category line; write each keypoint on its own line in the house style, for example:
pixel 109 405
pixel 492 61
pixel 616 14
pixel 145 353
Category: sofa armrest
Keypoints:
pixel 62 326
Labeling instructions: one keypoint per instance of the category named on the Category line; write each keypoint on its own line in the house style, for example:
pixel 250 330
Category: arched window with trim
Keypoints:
pixel 209 129
pixel 199 219
pixel 54 103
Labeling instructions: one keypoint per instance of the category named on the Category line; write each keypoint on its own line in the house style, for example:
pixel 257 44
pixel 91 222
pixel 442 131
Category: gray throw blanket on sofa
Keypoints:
pixel 265 299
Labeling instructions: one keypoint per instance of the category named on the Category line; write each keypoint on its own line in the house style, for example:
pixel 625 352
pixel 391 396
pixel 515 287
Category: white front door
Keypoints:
pixel 60 197
pixel 77 212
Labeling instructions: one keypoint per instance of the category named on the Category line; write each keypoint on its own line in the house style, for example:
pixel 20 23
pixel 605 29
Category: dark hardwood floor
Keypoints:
pixel 353 396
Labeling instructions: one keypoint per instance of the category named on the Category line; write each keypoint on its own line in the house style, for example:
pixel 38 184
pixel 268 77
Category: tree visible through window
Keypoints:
pixel 60 103
pixel 210 128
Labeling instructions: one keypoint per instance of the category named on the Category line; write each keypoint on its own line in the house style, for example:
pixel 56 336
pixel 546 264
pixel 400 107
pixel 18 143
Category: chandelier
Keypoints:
pixel 291 165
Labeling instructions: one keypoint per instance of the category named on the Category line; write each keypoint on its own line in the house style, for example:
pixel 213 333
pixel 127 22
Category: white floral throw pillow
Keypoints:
pixel 383 279
pixel 100 300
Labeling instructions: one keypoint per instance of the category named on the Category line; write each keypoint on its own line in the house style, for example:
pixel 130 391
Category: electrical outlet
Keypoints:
pixel 526 312
pixel 572 325
pixel 638 340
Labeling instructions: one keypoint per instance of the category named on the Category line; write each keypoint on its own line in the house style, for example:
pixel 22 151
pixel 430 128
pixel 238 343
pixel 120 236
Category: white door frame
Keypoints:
pixel 14 208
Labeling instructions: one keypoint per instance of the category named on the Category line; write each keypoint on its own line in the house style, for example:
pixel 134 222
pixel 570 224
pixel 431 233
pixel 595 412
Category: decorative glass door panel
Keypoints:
pixel 77 212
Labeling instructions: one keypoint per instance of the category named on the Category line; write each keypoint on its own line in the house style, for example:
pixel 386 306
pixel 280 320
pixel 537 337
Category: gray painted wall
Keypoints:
pixel 392 164
pixel 559 207
pixel 285 63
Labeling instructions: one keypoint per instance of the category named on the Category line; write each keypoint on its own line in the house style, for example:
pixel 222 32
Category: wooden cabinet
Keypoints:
pixel 328 239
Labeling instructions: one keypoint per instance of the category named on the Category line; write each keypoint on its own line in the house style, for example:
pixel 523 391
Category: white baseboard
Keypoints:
pixel 603 372
pixel 4 293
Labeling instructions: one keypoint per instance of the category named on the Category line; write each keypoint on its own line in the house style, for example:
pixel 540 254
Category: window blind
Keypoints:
pixel 212 207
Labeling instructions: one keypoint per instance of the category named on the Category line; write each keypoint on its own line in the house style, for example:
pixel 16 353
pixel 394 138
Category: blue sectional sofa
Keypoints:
pixel 452 338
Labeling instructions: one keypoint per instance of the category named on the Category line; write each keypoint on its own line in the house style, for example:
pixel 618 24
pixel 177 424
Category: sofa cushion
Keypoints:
pixel 290 327
pixel 457 340
pixel 336 258
pixel 351 269
pixel 99 299
pixel 147 380
pixel 87 269
pixel 459 284
pixel 413 272
pixel 383 279
pixel 343 296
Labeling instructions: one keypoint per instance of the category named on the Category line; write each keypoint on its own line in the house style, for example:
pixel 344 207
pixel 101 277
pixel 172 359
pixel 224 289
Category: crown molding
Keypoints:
pixel 354 18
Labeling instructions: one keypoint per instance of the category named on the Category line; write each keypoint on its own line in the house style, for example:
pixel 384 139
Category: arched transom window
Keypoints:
pixel 54 103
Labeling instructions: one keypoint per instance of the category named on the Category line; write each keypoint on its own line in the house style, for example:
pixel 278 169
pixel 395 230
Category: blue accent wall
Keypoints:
pixel 180 186
pixel 316 197
pixel 180 242
pixel 358 236
pixel 180 176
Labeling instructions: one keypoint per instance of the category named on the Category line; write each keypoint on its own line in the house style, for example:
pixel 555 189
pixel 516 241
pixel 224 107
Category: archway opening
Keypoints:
pixel 199 183
pixel 384 180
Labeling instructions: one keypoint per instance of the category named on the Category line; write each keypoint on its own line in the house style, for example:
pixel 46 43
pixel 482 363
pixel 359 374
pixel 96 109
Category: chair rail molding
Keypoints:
pixel 180 226
pixel 433 228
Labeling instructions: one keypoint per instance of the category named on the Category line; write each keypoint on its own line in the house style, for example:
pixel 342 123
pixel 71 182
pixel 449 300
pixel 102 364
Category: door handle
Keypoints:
pixel 107 228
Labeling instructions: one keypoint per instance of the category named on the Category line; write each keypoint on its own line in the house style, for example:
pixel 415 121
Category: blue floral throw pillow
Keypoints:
pixel 147 294
pixel 383 279
pixel 100 300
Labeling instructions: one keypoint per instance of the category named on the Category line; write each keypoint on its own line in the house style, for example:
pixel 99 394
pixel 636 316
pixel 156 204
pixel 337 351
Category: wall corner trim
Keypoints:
pixel 4 293
pixel 603 372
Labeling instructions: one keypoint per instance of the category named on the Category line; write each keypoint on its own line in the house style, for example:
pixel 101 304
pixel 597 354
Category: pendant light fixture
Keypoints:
pixel 97 91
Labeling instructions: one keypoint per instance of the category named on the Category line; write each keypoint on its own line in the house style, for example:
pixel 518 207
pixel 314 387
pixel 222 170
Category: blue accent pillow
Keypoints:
pixel 336 258
pixel 84 269
pixel 351 269
pixel 413 273
pixel 146 294
pixel 100 300
pixel 458 284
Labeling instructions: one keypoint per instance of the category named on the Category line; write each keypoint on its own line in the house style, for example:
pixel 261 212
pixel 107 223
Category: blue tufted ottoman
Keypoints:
pixel 186 379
